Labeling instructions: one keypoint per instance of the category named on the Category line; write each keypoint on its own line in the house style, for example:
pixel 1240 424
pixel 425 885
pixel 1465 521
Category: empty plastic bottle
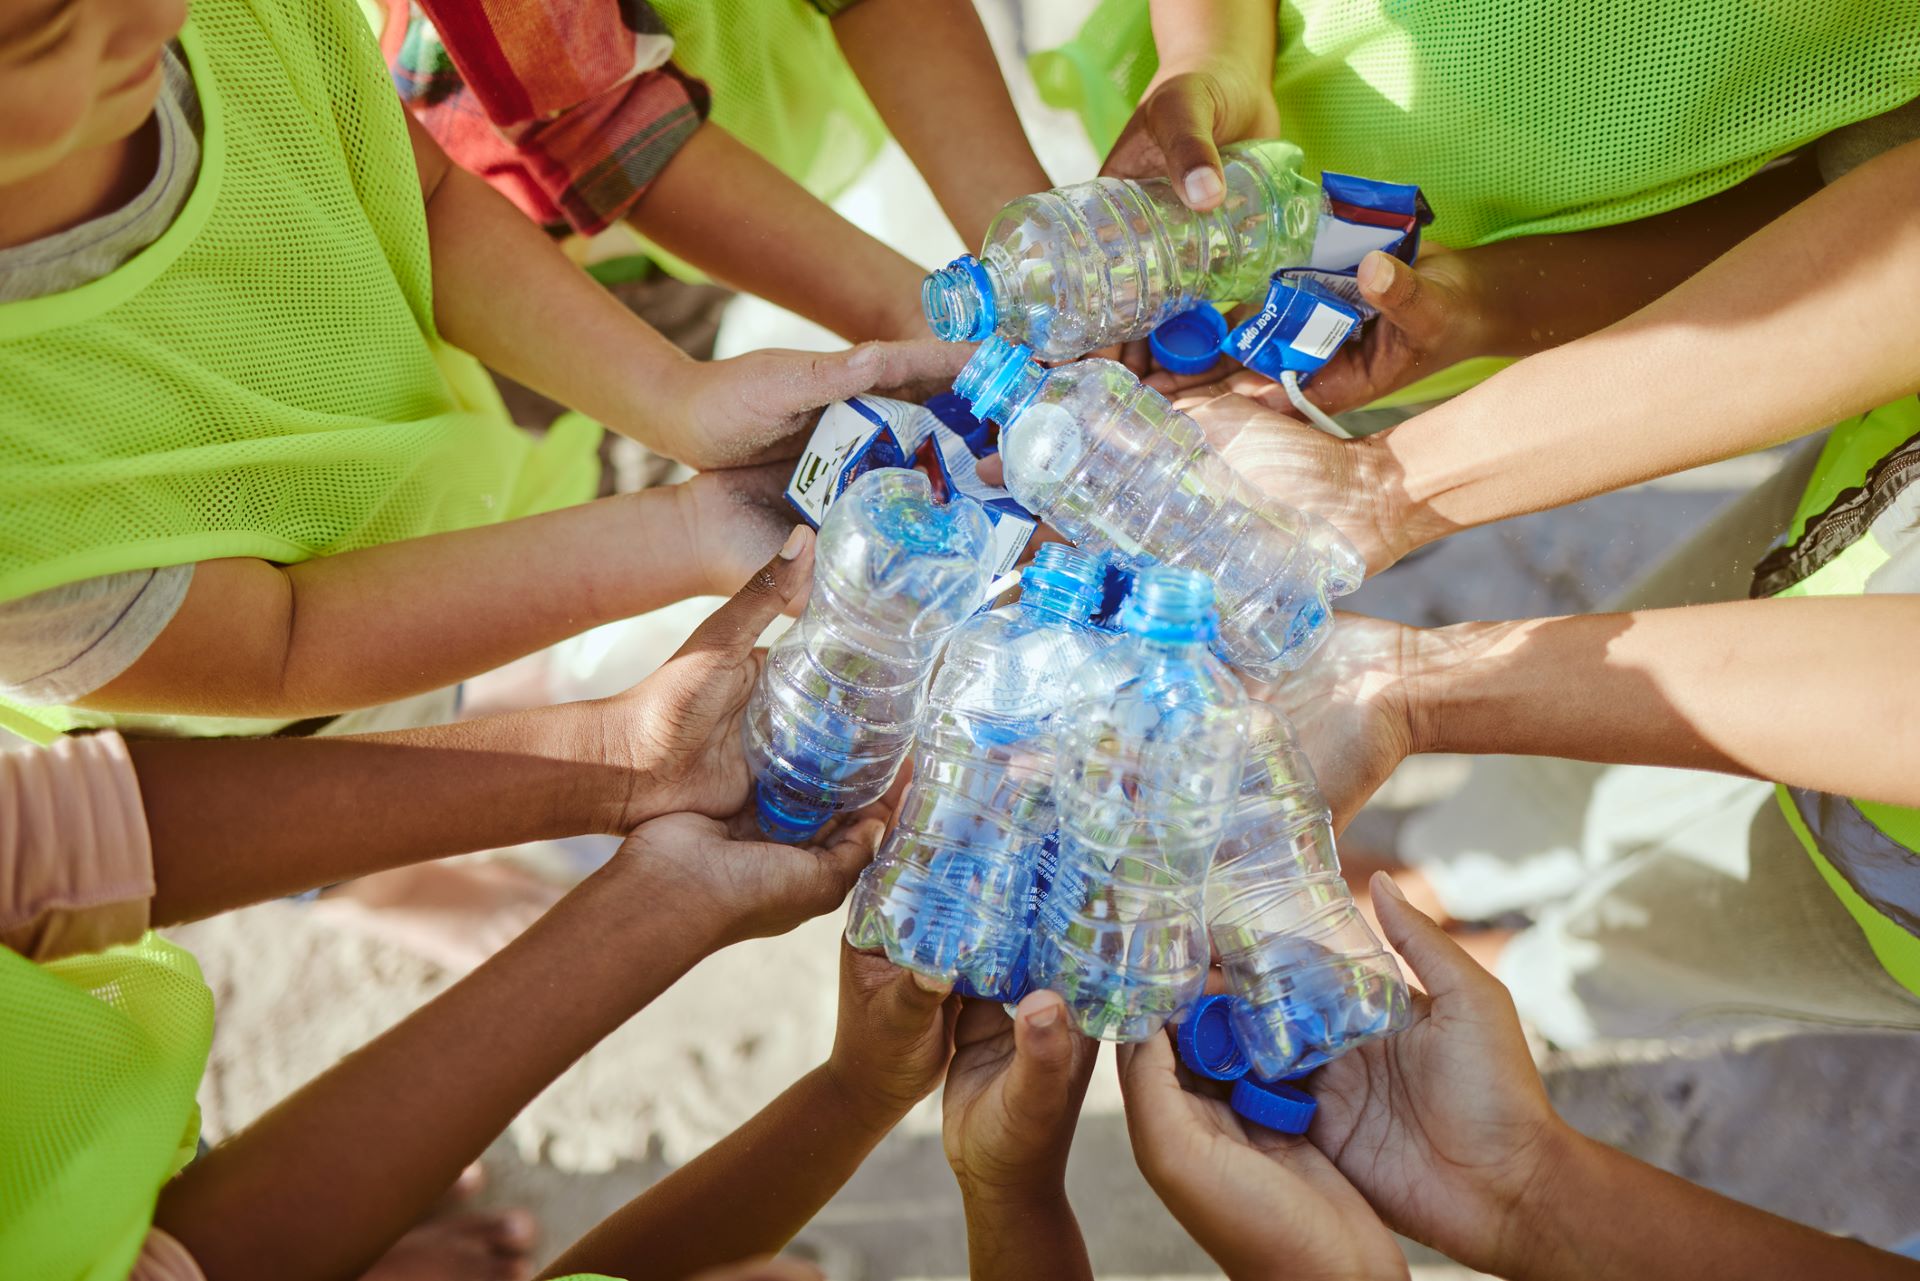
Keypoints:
pixel 832 715
pixel 1150 749
pixel 1077 268
pixel 1106 461
pixel 1311 980
pixel 953 890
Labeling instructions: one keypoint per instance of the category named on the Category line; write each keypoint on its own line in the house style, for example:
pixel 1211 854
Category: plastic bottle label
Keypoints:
pixel 856 436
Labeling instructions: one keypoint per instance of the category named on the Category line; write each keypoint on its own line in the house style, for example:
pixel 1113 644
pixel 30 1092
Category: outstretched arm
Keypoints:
pixel 365 627
pixel 931 72
pixel 722 207
pixel 324 1183
pixel 752 1192
pixel 1806 322
pixel 505 293
pixel 237 821
pixel 1746 687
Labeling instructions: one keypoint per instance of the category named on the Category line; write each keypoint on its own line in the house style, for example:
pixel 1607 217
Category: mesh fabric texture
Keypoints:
pixel 100 1057
pixel 1521 117
pixel 780 85
pixel 265 379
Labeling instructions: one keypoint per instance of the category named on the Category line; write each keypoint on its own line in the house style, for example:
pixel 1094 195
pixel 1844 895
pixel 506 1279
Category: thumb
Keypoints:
pixel 1045 1056
pixel 917 368
pixel 835 866
pixel 1180 119
pixel 1405 298
pixel 909 1000
pixel 1442 965
pixel 735 627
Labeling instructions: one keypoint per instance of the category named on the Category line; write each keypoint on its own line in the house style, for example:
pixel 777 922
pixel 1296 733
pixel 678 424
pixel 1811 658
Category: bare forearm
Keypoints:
pixel 1804 323
pixel 1009 1239
pixel 504 293
pixel 749 1194
pixel 1199 35
pixel 729 212
pixel 1818 693
pixel 1542 291
pixel 931 72
pixel 238 821
pixel 324 1183
pixel 388 622
pixel 1609 1217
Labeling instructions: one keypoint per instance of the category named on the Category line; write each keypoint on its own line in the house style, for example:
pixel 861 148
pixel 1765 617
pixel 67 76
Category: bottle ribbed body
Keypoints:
pixel 1115 468
pixel 1311 978
pixel 1149 759
pixel 833 713
pixel 1077 268
pixel 953 889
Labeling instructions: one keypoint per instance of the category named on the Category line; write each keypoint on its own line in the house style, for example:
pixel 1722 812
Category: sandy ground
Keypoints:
pixel 1825 1128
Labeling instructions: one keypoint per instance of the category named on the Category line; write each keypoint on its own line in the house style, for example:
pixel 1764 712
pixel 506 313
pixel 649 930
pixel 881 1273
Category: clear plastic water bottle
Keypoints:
pixel 1077 268
pixel 1107 462
pixel 1150 749
pixel 1311 979
pixel 832 716
pixel 953 890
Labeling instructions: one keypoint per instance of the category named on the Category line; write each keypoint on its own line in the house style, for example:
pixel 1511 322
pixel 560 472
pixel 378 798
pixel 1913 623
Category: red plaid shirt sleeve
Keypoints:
pixel 569 107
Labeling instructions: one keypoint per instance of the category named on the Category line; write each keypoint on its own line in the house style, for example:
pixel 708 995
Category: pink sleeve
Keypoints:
pixel 163 1258
pixel 76 865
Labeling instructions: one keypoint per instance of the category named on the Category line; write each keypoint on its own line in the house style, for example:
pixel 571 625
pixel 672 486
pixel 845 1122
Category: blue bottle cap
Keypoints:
pixel 1207 1044
pixel 1190 342
pixel 1281 1107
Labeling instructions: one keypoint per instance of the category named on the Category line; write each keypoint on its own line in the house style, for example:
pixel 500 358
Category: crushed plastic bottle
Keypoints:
pixel 1114 467
pixel 1309 977
pixel 833 713
pixel 1149 749
pixel 1071 270
pixel 953 891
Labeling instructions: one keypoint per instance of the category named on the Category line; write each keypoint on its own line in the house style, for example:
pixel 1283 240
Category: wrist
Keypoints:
pixel 871 1105
pixel 1540 1233
pixel 1445 679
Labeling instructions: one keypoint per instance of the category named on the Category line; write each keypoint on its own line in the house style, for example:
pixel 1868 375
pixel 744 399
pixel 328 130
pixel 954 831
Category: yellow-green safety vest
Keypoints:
pixel 1857 530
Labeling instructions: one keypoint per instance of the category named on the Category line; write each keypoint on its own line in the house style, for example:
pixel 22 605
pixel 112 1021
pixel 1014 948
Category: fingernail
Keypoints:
pixel 1203 186
pixel 795 541
pixel 1044 1017
pixel 1376 272
pixel 1384 884
pixel 928 983
pixel 864 358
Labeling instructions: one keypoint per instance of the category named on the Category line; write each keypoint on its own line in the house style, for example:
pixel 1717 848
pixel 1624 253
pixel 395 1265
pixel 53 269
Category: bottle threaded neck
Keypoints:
pixel 1173 605
pixel 999 379
pixel 1063 580
pixel 958 301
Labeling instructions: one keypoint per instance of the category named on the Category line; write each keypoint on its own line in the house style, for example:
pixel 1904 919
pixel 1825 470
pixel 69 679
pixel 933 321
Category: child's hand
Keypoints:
pixel 731 883
pixel 1262 1204
pixel 894 1035
pixel 1445 1126
pixel 1013 1096
pixel 736 518
pixel 1175 131
pixel 676 734
pixel 758 407
pixel 1354 485
pixel 1432 315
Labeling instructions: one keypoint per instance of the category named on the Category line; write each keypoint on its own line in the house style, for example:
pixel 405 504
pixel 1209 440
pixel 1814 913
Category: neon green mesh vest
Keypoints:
pixel 100 1057
pixel 265 379
pixel 780 85
pixel 1857 530
pixel 1520 117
